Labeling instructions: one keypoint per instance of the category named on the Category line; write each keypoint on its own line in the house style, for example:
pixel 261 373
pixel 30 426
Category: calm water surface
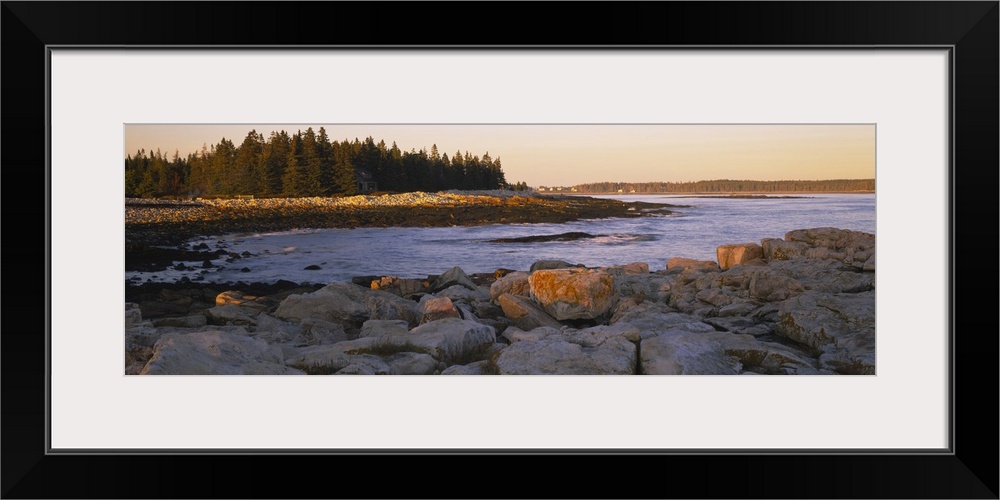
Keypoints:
pixel 416 252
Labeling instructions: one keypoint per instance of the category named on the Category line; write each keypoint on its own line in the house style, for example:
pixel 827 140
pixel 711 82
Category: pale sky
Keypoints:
pixel 564 155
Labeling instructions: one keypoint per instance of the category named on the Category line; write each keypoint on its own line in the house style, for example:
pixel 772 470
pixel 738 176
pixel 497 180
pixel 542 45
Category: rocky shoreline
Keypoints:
pixel 803 304
pixel 159 223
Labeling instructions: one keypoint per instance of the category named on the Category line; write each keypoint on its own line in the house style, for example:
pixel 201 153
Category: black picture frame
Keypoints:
pixel 969 470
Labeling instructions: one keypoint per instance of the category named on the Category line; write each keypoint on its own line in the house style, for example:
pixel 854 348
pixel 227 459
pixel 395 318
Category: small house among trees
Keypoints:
pixel 366 181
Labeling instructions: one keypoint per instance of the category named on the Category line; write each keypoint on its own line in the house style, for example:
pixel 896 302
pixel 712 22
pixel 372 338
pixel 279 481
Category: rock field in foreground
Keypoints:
pixel 804 304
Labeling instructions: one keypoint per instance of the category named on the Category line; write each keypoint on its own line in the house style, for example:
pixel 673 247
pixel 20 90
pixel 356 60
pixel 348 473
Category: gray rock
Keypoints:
pixel 460 293
pixel 736 309
pixel 365 365
pixel 515 334
pixel 630 308
pixel 778 249
pixel 475 368
pixel 524 313
pixel 696 265
pixel 332 303
pixel 325 359
pixel 730 323
pixel 214 352
pixel 319 332
pixel 465 312
pixel 192 321
pixel 268 323
pixel 452 277
pixel 133 315
pixel 632 285
pixel 386 306
pixel 136 357
pixel 232 315
pixel 685 353
pixel 450 338
pixel 597 335
pixel 869 264
pixel 841 324
pixel 771 287
pixel 718 353
pixel 411 363
pixel 559 355
pixel 381 328
pixel 631 268
pixel 717 296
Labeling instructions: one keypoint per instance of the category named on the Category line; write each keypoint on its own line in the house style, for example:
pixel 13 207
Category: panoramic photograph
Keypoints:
pixel 590 249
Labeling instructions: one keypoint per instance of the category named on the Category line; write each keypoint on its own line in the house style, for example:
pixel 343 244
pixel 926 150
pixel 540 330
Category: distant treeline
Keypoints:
pixel 306 164
pixel 728 186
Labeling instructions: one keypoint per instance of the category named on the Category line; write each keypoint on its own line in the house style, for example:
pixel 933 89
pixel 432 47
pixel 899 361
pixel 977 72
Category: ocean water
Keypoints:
pixel 692 232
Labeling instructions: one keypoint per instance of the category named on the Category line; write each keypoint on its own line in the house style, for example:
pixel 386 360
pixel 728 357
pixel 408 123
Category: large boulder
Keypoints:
pixel 333 303
pixel 742 253
pixel 686 353
pixel 573 293
pixel 214 352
